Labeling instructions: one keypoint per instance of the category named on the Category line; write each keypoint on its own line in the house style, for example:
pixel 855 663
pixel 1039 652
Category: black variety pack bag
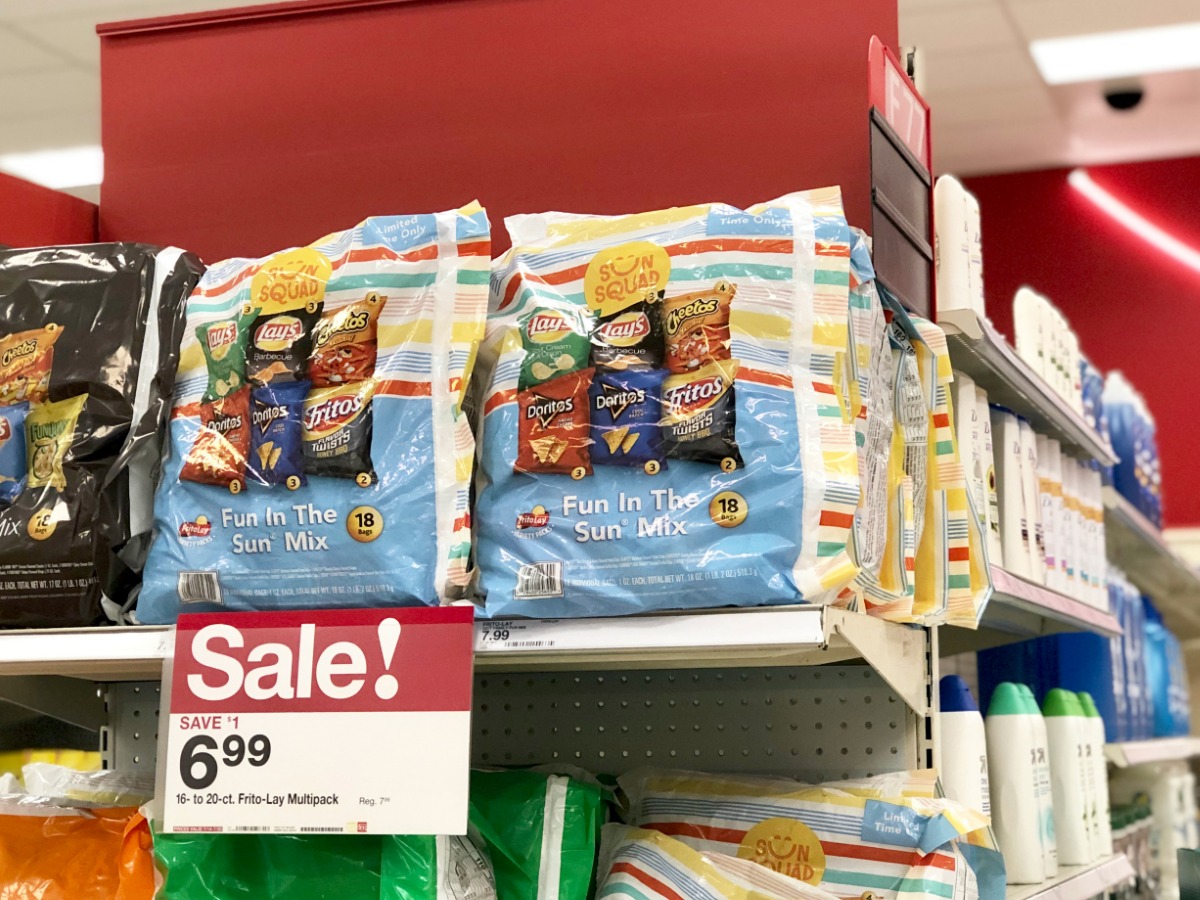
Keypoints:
pixel 89 343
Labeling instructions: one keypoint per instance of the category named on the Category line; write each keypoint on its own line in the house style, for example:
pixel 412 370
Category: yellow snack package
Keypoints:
pixel 49 430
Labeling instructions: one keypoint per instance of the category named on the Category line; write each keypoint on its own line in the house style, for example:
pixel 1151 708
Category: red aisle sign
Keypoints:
pixel 892 92
pixel 325 721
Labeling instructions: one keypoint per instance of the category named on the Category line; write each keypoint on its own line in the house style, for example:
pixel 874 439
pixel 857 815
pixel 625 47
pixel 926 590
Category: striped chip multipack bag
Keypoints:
pixel 660 422
pixel 318 452
pixel 648 865
pixel 848 840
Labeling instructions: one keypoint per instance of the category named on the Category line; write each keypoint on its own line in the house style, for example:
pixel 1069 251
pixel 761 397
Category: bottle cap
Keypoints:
pixel 1061 702
pixel 1089 705
pixel 1006 701
pixel 1030 701
pixel 956 696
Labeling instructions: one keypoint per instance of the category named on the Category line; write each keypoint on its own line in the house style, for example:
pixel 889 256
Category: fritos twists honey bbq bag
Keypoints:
pixel 344 480
pixel 89 337
pixel 699 457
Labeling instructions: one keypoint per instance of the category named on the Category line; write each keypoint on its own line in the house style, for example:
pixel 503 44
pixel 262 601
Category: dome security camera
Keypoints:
pixel 1123 97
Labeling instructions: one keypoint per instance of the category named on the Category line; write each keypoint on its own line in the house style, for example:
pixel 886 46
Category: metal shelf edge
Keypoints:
pixel 995 366
pixel 1077 882
pixel 1136 753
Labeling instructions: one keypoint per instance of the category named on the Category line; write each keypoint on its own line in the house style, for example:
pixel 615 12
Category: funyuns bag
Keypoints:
pixel 318 453
pixel 88 342
pixel 660 422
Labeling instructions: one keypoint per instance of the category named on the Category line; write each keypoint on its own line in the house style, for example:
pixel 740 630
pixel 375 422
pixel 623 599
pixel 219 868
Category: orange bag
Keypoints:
pixel 54 853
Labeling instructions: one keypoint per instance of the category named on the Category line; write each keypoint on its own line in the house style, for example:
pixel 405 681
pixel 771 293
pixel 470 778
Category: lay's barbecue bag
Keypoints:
pixel 88 343
pixel 661 423
pixel 319 456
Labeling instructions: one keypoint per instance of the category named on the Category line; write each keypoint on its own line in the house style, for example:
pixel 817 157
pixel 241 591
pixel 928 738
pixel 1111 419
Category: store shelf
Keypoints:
pixel 1137 548
pixel 1020 609
pixel 1076 882
pixel 1136 753
pixel 792 636
pixel 980 351
pixel 95 654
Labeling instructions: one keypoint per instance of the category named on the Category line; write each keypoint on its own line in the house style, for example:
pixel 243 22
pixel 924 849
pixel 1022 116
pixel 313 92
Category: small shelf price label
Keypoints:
pixel 331 721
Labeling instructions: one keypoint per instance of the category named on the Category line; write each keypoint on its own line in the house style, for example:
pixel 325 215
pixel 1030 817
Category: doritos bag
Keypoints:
pixel 349 494
pixel 88 343
pixel 713 465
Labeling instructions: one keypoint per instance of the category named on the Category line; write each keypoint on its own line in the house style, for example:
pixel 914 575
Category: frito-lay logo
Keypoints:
pixel 616 400
pixel 355 321
pixel 547 326
pixel 547 409
pixel 291 280
pixel 222 334
pixel 198 528
pixel 625 330
pixel 332 413
pixel 621 276
pixel 225 424
pixel 689 397
pixel 701 306
pixel 535 518
pixel 264 415
pixel 23 349
pixel 278 333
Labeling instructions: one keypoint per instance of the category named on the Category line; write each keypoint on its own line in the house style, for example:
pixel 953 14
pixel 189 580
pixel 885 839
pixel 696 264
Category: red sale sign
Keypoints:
pixel 333 720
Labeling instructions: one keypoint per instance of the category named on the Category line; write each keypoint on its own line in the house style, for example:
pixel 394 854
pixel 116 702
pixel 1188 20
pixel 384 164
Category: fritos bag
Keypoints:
pixel 698 456
pixel 338 476
pixel 88 342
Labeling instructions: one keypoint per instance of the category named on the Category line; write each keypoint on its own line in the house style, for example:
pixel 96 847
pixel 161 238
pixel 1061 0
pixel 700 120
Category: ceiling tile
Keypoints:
pixel 955 29
pixel 1060 18
pixel 41 131
pixel 1003 67
pixel 19 54
pixel 48 93
pixel 1026 104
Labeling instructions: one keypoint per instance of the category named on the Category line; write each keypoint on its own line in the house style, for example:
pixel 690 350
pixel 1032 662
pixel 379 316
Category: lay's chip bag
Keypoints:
pixel 347 482
pixel 698 456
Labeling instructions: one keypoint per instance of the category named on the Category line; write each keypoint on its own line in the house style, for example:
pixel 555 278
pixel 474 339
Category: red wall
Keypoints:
pixel 258 131
pixel 31 215
pixel 1134 308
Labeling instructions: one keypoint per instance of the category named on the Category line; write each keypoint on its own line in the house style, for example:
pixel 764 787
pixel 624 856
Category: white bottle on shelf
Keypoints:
pixel 1050 533
pixel 970 442
pixel 1027 328
pixel 1095 732
pixel 1058 511
pixel 952 251
pixel 1041 774
pixel 1016 812
pixel 988 455
pixel 965 764
pixel 1014 530
pixel 975 248
pixel 1070 777
pixel 1033 503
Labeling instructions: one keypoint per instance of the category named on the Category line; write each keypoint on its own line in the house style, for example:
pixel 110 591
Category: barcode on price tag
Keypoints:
pixel 352 721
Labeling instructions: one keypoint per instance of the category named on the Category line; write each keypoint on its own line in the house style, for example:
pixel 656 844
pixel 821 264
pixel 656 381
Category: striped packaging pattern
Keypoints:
pixel 636 864
pixel 845 841
pixel 680 531
pixel 397 532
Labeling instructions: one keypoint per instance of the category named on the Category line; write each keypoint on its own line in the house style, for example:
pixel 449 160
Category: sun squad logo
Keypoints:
pixel 534 523
pixel 197 531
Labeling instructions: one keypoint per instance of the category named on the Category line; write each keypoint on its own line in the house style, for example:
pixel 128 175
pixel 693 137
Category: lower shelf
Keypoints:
pixel 1136 753
pixel 1076 882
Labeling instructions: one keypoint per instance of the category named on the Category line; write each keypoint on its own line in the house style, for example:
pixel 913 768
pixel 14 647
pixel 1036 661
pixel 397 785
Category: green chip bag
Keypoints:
pixel 555 341
pixel 540 831
pixel 224 346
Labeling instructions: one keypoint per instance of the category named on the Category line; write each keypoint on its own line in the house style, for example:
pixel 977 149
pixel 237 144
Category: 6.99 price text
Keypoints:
pixel 199 764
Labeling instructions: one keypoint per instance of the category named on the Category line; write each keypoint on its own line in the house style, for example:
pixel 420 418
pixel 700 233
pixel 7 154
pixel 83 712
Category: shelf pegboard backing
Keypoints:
pixel 129 742
pixel 813 723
